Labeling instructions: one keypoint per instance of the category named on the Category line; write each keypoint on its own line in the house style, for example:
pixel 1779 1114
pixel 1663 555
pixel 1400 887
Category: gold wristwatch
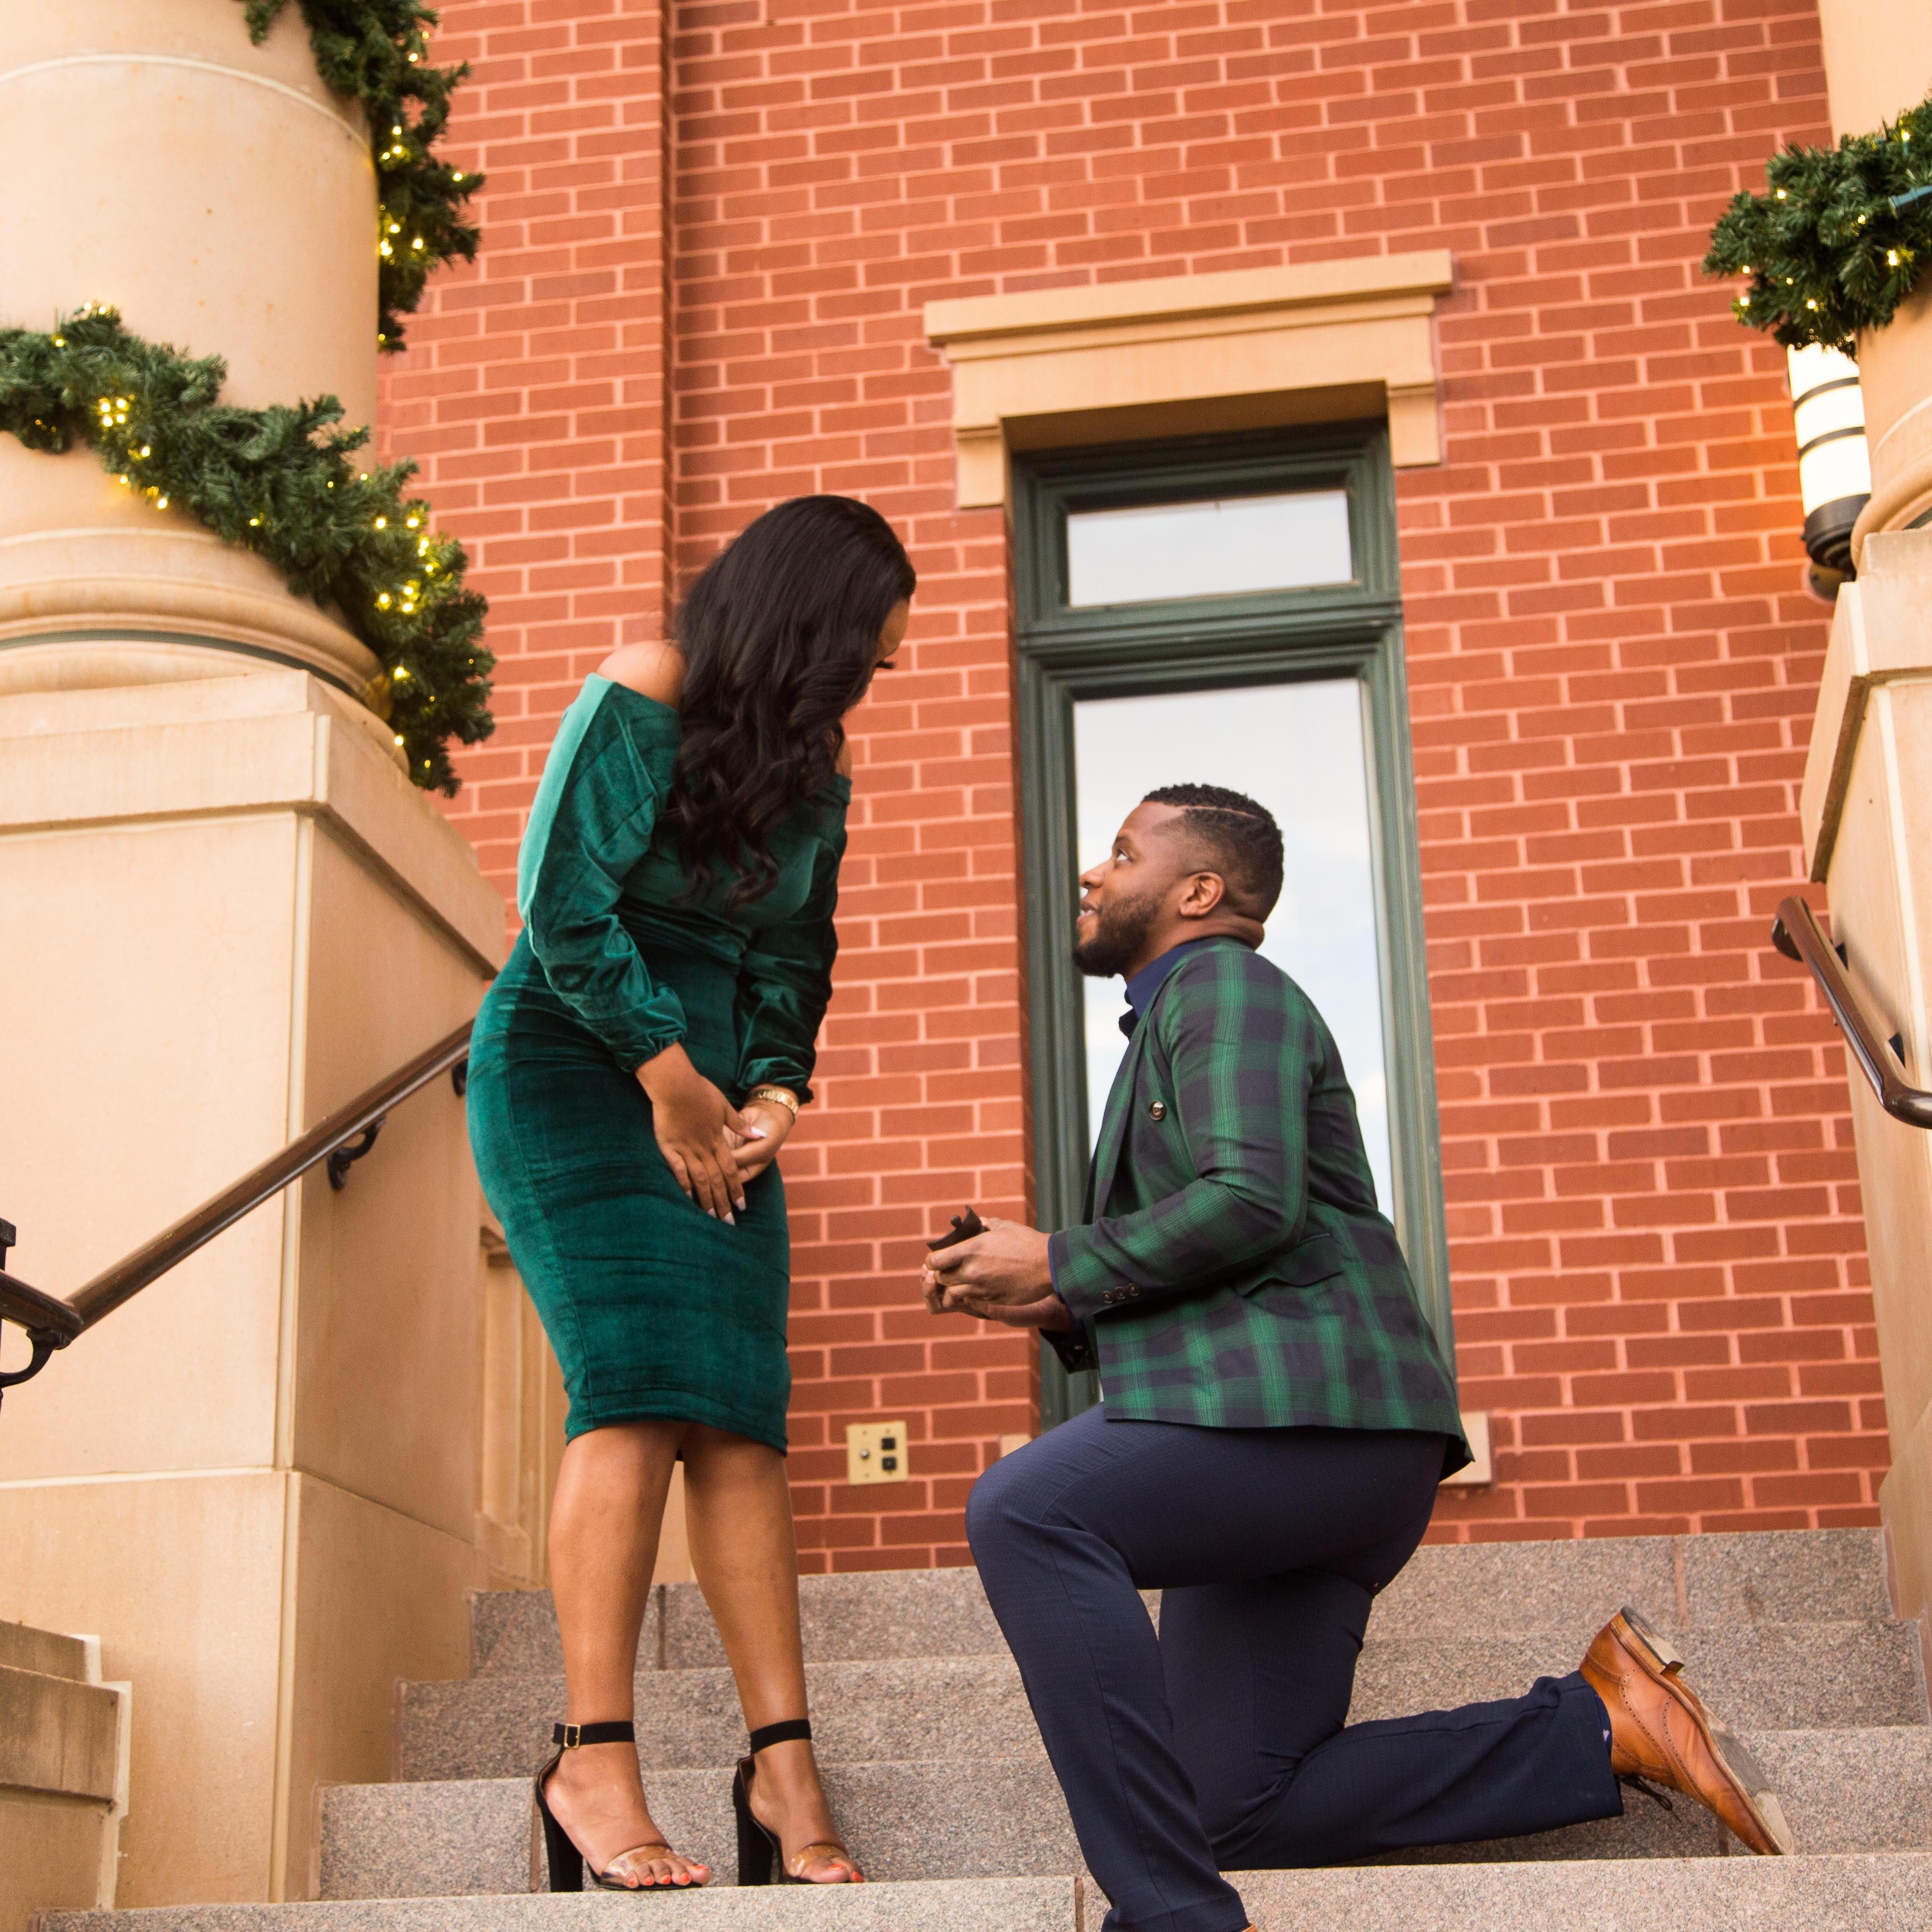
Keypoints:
pixel 784 1099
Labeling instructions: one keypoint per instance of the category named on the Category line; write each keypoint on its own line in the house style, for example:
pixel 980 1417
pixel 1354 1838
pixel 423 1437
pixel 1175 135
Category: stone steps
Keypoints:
pixel 1565 1590
pixel 1765 1677
pixel 935 1771
pixel 1842 1790
pixel 965 1905
pixel 1880 1893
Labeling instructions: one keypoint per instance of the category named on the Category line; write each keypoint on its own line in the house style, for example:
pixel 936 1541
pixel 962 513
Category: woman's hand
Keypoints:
pixel 697 1131
pixel 766 1125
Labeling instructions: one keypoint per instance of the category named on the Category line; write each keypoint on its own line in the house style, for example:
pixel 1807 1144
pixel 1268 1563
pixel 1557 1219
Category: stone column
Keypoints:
pixel 219 196
pixel 227 912
pixel 1878 62
pixel 1867 803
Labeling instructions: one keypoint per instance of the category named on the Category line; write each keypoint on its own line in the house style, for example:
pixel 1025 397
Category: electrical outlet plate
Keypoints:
pixel 875 1452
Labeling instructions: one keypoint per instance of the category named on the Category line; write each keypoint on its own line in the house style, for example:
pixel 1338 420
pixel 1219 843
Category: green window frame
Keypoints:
pixel 1065 655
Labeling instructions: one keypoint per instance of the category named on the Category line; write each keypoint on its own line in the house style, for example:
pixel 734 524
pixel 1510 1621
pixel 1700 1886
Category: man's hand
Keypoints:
pixel 1005 1268
pixel 1049 1314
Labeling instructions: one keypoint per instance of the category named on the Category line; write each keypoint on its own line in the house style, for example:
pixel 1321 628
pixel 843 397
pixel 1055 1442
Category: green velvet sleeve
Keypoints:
pixel 785 981
pixel 590 826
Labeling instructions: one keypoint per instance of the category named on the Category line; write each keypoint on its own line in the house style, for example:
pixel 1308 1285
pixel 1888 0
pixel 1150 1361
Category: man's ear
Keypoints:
pixel 1205 893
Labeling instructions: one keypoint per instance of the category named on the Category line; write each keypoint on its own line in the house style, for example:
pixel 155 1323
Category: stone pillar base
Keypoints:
pixel 227 914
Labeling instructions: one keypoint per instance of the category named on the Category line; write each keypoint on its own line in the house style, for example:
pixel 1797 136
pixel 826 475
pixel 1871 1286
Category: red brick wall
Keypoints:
pixel 1652 1201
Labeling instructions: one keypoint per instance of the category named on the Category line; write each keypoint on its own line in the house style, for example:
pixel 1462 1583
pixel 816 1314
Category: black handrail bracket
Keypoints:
pixel 1875 1044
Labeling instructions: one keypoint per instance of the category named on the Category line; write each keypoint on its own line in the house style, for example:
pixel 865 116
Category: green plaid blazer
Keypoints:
pixel 1232 1270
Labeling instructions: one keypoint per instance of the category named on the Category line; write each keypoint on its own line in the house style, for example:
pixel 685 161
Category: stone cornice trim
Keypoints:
pixel 1088 363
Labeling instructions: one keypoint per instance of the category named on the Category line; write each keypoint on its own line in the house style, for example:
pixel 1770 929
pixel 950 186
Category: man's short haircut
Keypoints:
pixel 1240 836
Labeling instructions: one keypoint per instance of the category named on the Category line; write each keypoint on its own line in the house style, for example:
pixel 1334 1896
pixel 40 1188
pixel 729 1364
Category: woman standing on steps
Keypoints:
pixel 635 1068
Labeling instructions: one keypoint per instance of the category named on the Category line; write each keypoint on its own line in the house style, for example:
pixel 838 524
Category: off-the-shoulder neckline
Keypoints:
pixel 671 711
pixel 630 691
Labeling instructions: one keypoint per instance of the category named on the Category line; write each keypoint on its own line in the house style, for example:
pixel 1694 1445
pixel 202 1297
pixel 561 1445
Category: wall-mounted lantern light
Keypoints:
pixel 1833 463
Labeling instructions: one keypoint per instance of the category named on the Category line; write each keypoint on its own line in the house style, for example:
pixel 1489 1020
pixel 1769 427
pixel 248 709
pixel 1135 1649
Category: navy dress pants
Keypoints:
pixel 1222 1743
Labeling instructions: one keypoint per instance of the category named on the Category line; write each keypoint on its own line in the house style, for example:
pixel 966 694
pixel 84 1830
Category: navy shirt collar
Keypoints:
pixel 1149 980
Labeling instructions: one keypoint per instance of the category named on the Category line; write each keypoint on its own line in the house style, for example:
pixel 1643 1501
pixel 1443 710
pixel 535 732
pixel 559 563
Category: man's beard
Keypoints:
pixel 1120 928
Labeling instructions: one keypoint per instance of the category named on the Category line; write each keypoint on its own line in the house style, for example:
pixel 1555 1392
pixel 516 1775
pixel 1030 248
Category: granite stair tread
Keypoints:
pixel 1867 1893
pixel 1843 1790
pixel 953 1905
pixel 1773 1676
pixel 1564 1589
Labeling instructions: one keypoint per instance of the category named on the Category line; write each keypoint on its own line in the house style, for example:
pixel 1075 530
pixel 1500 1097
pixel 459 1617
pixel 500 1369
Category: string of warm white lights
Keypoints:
pixel 280 482
pixel 377 52
pixel 1838 240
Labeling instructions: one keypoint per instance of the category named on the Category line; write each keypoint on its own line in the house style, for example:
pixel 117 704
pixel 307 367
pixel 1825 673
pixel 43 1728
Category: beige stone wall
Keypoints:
pixel 1867 815
pixel 259 1480
pixel 1867 801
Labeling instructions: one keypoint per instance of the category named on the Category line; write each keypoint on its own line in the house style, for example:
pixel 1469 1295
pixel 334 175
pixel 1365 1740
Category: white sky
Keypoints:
pixel 1212 548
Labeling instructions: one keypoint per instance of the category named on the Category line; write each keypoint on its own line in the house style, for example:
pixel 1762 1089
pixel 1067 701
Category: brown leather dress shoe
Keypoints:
pixel 1660 1732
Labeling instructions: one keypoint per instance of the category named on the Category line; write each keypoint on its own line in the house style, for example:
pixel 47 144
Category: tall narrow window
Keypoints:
pixel 1228 614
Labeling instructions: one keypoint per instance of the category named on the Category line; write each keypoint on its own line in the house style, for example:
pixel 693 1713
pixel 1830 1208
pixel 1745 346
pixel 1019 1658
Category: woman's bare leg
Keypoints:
pixel 743 1548
pixel 604 1526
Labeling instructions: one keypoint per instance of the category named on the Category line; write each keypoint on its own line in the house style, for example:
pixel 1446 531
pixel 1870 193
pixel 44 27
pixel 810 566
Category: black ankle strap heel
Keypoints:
pixel 566 1863
pixel 761 1858
pixel 786 1731
pixel 568 1737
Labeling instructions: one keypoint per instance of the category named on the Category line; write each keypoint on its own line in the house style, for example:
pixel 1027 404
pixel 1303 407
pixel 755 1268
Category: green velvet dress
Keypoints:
pixel 654 1309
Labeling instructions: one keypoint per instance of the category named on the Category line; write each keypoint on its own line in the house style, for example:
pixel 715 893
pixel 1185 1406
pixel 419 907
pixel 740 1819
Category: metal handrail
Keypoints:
pixel 52 1323
pixel 1798 935
pixel 36 1313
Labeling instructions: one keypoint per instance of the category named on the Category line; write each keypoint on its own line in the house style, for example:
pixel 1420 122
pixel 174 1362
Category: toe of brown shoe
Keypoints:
pixel 1660 1730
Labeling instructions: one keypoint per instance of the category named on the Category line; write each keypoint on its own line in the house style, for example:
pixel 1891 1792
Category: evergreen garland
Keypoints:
pixel 279 482
pixel 373 50
pixel 1840 238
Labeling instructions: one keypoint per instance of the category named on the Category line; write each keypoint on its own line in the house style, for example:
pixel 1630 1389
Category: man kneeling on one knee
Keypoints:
pixel 1277 1416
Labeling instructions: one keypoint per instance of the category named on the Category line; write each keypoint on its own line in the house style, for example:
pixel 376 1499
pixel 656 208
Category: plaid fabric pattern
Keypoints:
pixel 1236 1274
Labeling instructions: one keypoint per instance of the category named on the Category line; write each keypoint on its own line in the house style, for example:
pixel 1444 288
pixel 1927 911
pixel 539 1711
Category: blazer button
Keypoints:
pixel 1157 1110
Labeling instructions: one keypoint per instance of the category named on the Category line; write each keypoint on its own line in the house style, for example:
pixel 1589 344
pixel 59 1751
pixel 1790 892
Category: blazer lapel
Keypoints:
pixel 1114 1126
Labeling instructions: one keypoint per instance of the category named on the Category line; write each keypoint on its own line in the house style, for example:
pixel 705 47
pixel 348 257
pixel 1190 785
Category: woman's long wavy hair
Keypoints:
pixel 780 637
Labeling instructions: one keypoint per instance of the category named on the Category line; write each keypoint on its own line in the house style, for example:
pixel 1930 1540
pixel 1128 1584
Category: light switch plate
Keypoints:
pixel 875 1452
